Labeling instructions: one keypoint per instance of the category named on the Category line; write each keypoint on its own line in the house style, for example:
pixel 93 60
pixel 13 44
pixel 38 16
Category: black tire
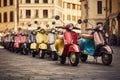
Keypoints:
pixel 42 54
pixel 25 51
pixel 74 59
pixel 83 57
pixel 21 50
pixel 62 59
pixel 54 56
pixel 106 59
pixel 33 54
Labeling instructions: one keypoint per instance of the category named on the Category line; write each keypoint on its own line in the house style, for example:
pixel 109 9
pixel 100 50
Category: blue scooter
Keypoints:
pixel 95 46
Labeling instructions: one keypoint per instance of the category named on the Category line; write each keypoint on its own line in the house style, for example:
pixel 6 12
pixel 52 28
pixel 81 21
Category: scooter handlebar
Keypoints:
pixel 77 28
pixel 58 27
pixel 89 29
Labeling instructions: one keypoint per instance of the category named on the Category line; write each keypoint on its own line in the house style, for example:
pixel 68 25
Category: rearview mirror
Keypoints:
pixel 47 25
pixel 79 21
pixel 85 20
pixel 53 23
pixel 57 17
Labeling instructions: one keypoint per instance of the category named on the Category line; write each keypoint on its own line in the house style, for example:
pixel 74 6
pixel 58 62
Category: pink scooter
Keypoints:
pixel 71 48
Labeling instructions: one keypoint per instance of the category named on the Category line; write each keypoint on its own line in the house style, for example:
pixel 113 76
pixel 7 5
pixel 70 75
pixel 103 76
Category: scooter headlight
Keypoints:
pixel 71 26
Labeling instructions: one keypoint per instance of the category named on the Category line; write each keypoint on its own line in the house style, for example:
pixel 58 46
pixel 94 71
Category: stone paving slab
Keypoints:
pixel 23 67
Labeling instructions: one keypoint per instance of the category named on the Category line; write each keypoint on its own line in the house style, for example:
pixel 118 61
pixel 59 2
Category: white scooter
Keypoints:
pixel 51 43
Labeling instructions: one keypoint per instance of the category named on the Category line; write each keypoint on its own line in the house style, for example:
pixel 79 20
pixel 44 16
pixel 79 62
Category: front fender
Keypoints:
pixel 33 46
pixel 74 48
pixel 106 49
pixel 42 46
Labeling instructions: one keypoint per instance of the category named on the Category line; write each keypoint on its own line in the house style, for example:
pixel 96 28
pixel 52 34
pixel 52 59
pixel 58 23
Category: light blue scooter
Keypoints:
pixel 96 47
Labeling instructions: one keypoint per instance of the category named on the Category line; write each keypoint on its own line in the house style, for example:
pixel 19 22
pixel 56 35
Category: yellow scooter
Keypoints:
pixel 39 44
pixel 59 43
pixel 41 39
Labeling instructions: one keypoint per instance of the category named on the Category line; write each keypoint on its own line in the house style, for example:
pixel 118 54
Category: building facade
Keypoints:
pixel 8 14
pixel 29 14
pixel 98 11
pixel 113 14
pixel 94 11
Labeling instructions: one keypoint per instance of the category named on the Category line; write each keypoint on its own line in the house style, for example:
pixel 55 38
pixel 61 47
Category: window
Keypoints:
pixel 36 14
pixel 45 13
pixel 53 1
pixel 64 5
pixel 27 1
pixel 0 18
pixel 68 5
pixel 74 18
pixel 73 6
pixel 99 7
pixel 5 2
pixel 45 1
pixel 36 1
pixel 20 1
pixel 78 17
pixel 110 6
pixel 11 2
pixel 11 16
pixel 78 7
pixel 5 17
pixel 0 3
pixel 68 17
pixel 28 13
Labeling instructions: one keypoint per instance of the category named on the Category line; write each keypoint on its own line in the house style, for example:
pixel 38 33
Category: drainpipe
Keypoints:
pixel 106 7
pixel 118 18
pixel 17 14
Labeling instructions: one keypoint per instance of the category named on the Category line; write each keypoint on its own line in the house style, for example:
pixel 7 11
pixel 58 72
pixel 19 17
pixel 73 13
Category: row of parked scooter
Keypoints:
pixel 61 44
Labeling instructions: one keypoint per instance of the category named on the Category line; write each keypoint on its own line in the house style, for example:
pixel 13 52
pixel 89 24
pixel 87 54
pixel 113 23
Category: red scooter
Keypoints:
pixel 71 48
pixel 17 43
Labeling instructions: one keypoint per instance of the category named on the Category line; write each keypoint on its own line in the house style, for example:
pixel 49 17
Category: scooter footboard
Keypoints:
pixel 74 48
pixel 33 46
pixel 106 49
pixel 52 48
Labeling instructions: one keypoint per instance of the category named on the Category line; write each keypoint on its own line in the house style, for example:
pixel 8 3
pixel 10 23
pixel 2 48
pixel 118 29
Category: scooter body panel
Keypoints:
pixel 106 49
pixel 59 45
pixel 74 48
pixel 39 38
pixel 51 41
pixel 33 46
pixel 17 41
pixel 43 46
pixel 70 37
pixel 71 41
pixel 87 46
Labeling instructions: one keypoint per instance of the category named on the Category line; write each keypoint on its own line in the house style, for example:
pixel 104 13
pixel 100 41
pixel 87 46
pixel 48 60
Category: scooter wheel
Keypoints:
pixel 62 60
pixel 107 59
pixel 83 57
pixel 25 51
pixel 42 54
pixel 54 56
pixel 33 54
pixel 74 59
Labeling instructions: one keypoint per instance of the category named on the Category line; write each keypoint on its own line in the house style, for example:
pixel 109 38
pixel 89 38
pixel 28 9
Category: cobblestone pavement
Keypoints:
pixel 23 67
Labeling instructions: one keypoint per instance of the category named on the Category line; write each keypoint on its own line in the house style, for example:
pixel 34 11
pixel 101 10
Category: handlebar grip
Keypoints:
pixel 89 29
pixel 58 27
